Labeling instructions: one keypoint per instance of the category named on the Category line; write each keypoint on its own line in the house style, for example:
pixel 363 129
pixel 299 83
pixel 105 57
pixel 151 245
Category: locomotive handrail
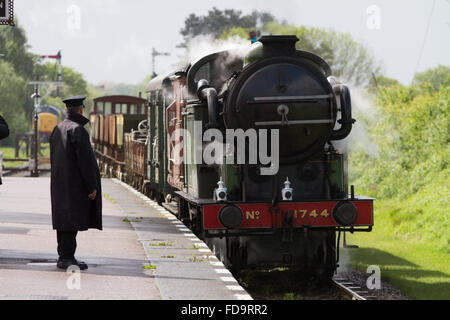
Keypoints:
pixel 346 120
pixel 276 123
pixel 207 93
pixel 286 99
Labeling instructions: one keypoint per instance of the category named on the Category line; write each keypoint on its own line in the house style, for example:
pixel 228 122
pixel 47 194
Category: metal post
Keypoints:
pixel 59 73
pixel 34 171
pixel 34 164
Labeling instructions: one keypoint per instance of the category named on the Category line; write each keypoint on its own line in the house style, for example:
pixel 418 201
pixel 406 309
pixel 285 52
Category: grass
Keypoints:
pixel 137 219
pixel 9 153
pixel 107 197
pixel 292 296
pixel 194 258
pixel 161 244
pixel 418 265
pixel 409 175
pixel 149 267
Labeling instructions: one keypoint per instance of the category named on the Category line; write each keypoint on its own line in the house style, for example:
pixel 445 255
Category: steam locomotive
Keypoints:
pixel 275 191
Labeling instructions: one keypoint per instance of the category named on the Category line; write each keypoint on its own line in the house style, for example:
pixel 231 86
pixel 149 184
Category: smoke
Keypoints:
pixel 364 111
pixel 344 260
pixel 203 45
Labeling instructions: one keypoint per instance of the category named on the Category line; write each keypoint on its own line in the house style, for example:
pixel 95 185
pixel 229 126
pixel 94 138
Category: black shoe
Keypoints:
pixel 66 263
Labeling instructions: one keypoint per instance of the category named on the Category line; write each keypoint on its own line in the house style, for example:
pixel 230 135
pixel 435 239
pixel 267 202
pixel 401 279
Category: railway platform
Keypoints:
pixel 143 252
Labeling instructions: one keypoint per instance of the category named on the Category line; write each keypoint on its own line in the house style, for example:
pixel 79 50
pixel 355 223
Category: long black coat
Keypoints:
pixel 74 175
pixel 4 130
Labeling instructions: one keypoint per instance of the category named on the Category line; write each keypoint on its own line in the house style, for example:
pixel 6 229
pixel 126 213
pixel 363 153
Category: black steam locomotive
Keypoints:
pixel 241 150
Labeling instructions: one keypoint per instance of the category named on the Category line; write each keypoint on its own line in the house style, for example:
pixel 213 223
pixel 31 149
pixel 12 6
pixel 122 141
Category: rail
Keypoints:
pixel 351 289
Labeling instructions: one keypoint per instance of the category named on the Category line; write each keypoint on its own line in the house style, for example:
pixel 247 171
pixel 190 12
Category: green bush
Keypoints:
pixel 410 175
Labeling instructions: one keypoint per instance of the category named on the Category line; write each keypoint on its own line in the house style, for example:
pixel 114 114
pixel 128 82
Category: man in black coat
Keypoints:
pixel 4 132
pixel 75 182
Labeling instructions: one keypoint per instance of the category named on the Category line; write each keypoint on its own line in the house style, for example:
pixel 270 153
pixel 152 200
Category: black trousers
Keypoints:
pixel 67 244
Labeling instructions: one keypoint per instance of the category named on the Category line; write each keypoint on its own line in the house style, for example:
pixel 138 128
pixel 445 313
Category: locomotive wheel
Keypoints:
pixel 159 198
pixel 183 210
pixel 325 265
pixel 237 256
pixel 195 221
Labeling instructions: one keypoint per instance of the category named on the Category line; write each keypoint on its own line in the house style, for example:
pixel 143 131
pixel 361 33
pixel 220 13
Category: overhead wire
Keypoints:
pixel 425 37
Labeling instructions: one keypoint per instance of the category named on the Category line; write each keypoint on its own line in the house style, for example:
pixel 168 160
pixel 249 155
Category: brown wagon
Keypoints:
pixel 113 117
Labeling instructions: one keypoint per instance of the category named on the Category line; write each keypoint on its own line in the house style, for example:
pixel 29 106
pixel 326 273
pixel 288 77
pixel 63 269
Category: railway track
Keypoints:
pixel 344 285
pixel 351 289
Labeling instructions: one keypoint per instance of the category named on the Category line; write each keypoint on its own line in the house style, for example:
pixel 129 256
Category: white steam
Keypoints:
pixel 203 45
pixel 358 140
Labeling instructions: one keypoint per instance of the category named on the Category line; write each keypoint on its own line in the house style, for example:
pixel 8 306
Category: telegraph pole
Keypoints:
pixel 37 101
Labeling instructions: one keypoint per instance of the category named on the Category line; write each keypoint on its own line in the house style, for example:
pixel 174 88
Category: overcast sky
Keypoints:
pixel 113 39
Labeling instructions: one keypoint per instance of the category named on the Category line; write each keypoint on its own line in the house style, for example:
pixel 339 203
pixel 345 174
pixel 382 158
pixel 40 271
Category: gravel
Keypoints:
pixel 386 292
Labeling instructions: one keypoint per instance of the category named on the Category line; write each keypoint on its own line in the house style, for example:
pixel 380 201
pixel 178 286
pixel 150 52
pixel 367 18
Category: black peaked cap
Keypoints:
pixel 75 101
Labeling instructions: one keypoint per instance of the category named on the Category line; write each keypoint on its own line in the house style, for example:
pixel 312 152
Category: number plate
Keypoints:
pixel 315 214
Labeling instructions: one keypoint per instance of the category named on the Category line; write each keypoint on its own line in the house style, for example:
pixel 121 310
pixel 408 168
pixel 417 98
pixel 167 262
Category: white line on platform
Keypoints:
pixel 203 245
pixel 243 297
pixel 222 271
pixel 235 288
pixel 228 279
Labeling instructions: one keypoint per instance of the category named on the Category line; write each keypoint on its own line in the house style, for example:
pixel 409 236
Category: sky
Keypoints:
pixel 112 40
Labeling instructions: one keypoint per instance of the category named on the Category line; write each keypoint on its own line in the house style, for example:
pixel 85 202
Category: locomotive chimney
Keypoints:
pixel 278 45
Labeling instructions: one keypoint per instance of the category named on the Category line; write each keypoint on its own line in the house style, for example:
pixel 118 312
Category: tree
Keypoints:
pixel 235 31
pixel 13 44
pixel 349 60
pixel 379 82
pixel 74 84
pixel 14 47
pixel 18 67
pixel 435 78
pixel 13 100
pixel 217 21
